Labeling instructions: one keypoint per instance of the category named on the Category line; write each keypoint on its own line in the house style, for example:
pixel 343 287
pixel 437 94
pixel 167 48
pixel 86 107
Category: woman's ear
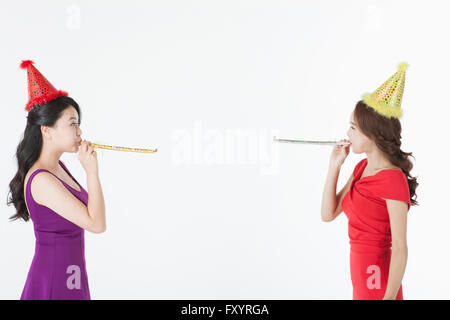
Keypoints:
pixel 45 131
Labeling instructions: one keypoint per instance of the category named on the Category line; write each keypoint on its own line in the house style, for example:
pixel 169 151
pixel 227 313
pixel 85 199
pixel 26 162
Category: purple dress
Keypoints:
pixel 58 269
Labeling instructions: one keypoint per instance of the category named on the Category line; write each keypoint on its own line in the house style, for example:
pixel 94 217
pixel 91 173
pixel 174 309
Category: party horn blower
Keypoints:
pixel 116 148
pixel 333 143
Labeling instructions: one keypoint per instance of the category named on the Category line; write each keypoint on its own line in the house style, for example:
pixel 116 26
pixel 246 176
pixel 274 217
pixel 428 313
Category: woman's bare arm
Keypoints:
pixel 48 191
pixel 398 212
pixel 332 203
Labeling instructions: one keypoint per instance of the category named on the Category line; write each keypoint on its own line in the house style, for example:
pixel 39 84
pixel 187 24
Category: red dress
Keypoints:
pixel 369 229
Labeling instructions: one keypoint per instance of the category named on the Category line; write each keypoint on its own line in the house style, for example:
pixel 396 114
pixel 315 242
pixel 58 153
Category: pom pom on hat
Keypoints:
pixel 26 63
pixel 403 66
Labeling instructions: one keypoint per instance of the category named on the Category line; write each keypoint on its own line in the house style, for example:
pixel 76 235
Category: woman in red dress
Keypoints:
pixel 377 196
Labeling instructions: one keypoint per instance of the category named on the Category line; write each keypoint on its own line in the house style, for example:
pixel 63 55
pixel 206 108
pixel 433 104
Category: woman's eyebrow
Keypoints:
pixel 72 118
pixel 352 123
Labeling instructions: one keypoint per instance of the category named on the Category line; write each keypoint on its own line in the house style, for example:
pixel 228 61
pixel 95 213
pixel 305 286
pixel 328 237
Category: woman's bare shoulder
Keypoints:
pixel 29 172
pixel 395 168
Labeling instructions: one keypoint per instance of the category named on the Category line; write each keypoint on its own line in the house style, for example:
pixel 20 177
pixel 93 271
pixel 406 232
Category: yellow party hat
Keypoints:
pixel 386 100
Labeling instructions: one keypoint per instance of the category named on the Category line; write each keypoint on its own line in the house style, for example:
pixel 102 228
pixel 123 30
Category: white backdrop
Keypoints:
pixel 221 212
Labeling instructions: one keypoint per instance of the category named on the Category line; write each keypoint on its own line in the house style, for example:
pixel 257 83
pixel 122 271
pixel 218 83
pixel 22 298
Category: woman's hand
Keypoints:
pixel 339 154
pixel 88 157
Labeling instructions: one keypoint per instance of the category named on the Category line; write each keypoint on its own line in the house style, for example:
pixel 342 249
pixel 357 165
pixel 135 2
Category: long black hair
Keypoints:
pixel 29 148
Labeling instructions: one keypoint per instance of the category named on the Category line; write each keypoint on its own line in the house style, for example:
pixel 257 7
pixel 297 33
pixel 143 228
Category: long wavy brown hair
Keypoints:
pixel 386 133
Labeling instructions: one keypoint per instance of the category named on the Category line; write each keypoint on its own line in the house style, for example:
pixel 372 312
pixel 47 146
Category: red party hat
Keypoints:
pixel 40 90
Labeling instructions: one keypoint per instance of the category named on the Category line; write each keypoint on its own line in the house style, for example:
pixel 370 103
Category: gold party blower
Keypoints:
pixel 116 148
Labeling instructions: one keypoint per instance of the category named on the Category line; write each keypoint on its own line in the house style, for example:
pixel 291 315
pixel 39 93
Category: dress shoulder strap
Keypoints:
pixel 28 194
pixel 68 172
pixel 65 168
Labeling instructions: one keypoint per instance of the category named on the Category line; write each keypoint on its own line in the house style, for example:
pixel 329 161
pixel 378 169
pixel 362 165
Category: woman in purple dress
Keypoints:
pixel 44 190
